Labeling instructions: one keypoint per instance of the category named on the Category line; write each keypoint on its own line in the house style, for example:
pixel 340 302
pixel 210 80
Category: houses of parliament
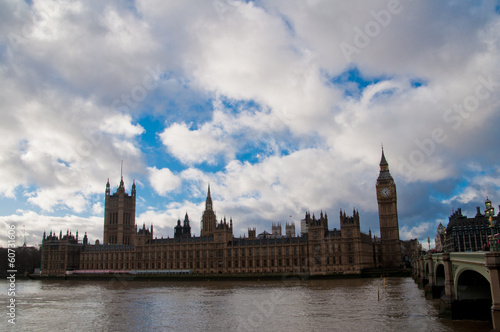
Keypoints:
pixel 318 250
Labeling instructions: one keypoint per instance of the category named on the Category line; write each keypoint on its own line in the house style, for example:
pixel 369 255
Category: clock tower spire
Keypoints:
pixel 388 216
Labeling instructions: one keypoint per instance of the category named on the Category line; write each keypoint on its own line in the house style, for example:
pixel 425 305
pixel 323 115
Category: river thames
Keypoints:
pixel 208 305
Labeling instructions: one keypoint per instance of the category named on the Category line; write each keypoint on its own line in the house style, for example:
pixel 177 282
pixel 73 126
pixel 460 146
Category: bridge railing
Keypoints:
pixel 475 257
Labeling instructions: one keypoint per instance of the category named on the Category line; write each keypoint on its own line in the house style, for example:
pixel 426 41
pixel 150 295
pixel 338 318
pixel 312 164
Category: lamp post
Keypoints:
pixel 489 212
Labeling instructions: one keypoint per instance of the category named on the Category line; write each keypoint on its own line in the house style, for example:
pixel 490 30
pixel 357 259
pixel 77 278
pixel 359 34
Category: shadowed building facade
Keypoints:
pixel 468 234
pixel 320 251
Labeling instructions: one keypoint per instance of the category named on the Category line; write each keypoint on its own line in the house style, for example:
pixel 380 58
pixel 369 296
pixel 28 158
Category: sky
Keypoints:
pixel 280 105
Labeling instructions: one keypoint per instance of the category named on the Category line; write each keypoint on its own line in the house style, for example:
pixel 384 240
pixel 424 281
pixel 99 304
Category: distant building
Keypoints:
pixel 290 229
pixel 276 229
pixel 303 227
pixel 265 235
pixel 468 234
pixel 251 233
pixel 410 249
pixel 318 251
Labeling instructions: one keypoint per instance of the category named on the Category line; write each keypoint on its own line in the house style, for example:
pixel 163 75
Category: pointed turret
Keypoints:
pixel 108 189
pixel 384 165
pixel 178 229
pixel 382 160
pixel 186 228
pixel 384 168
pixel 122 184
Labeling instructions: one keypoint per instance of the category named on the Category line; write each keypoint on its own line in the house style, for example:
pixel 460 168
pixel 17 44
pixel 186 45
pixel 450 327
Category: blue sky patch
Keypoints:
pixel 353 82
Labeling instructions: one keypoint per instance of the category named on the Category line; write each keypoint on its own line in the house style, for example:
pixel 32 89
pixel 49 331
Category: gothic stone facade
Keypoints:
pixel 216 251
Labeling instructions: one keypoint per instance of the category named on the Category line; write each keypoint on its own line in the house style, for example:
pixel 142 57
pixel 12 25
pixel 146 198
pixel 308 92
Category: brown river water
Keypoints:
pixel 209 305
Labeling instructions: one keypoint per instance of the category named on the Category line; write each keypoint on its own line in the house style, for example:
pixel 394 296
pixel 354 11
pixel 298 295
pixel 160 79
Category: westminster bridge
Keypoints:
pixel 467 283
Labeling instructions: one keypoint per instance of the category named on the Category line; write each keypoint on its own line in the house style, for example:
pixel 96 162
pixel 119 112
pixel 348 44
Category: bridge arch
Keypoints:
pixel 473 294
pixel 464 280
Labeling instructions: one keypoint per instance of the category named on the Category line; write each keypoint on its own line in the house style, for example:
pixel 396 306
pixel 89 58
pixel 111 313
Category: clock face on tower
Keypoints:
pixel 385 192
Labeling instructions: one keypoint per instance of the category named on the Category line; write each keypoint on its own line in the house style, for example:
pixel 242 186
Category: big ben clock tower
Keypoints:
pixel 388 216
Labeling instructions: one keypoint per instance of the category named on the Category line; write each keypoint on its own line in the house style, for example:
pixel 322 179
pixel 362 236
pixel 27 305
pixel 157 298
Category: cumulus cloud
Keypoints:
pixel 254 100
pixel 35 225
pixel 195 146
pixel 163 180
pixel 165 220
pixel 98 209
pixel 416 232
pixel 64 136
pixel 120 124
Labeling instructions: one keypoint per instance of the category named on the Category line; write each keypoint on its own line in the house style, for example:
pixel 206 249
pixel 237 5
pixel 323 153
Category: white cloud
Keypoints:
pixel 36 224
pixel 290 185
pixel 48 198
pixel 195 146
pixel 56 149
pixel 417 232
pixel 163 180
pixel 120 124
pixel 98 209
pixel 164 221
pixel 476 189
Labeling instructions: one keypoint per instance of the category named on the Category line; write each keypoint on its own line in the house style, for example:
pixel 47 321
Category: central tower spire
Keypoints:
pixel 121 176
pixel 208 203
pixel 209 219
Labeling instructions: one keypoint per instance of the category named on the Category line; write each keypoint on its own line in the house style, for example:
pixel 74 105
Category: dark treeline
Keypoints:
pixel 26 260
